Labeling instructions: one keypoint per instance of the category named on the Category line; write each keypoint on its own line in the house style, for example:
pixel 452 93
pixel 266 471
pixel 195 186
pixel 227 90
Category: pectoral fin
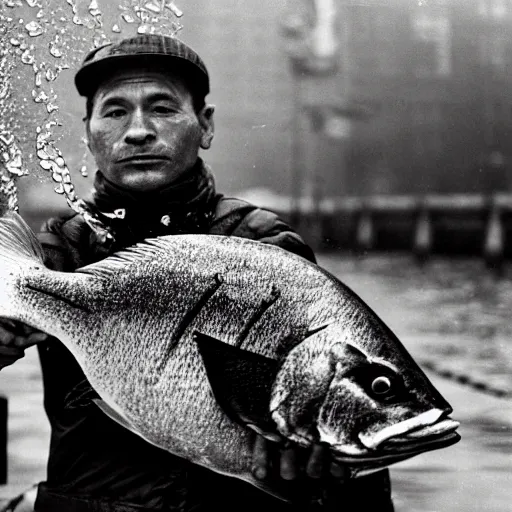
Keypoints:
pixel 241 381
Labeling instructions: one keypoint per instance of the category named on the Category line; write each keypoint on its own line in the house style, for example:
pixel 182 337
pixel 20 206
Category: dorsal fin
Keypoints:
pixel 151 248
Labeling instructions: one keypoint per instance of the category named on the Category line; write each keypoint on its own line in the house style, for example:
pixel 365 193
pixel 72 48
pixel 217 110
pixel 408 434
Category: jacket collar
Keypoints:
pixel 186 206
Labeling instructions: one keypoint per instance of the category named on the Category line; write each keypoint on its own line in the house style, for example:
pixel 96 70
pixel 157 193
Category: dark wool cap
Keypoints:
pixel 146 50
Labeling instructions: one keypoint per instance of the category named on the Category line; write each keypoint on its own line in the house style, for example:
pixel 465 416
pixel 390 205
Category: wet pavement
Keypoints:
pixel 453 313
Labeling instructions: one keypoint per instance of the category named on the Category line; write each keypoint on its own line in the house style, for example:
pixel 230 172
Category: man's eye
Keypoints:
pixel 115 113
pixel 162 109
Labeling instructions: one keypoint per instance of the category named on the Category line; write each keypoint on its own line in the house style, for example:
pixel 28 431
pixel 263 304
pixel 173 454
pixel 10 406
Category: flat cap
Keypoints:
pixel 146 50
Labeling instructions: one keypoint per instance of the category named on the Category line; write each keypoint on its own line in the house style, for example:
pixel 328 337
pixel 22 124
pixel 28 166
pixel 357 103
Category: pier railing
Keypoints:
pixel 457 224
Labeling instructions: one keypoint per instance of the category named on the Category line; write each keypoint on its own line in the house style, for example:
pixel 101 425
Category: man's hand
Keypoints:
pixel 293 462
pixel 15 337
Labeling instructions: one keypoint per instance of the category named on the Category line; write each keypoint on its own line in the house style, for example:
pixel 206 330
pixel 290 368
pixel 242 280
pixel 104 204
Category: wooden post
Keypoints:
pixel 422 245
pixel 3 440
pixel 365 231
pixel 494 243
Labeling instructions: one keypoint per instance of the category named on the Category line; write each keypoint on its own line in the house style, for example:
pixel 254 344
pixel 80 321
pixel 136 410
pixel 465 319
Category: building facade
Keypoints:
pixel 399 97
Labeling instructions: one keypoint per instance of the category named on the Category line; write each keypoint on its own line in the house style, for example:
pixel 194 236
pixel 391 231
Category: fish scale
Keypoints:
pixel 192 341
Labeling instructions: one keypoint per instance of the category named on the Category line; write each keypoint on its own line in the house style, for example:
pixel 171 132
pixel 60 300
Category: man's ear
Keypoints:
pixel 205 117
pixel 87 132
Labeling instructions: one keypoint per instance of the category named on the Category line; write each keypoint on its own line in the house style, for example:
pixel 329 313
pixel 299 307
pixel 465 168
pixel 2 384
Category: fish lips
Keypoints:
pixel 404 440
pixel 421 426
pixel 393 452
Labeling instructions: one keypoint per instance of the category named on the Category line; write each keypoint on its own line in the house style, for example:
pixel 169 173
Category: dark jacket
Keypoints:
pixel 95 464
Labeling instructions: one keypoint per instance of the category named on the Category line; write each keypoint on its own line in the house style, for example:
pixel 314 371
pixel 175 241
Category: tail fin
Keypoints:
pixel 18 243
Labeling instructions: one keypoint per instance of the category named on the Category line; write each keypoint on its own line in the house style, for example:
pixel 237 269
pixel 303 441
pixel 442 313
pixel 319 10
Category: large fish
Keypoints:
pixel 192 340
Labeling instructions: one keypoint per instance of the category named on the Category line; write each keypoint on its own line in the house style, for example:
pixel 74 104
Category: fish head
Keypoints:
pixel 364 398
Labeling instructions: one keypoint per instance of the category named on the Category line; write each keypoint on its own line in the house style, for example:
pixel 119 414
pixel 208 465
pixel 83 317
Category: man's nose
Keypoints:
pixel 140 130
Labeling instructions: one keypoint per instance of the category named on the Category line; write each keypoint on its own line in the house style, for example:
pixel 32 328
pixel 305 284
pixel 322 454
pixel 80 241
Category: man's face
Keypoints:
pixel 143 131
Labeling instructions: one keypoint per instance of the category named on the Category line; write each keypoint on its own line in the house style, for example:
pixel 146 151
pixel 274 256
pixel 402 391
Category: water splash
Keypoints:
pixel 38 41
pixel 34 28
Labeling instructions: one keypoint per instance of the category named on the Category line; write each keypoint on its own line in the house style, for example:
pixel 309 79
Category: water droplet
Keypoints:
pixel 152 6
pixel 34 29
pixel 83 171
pixel 128 18
pixel 70 191
pixel 27 57
pixel 175 9
pixel 143 29
pixel 42 155
pixel 40 14
pixel 77 20
pixel 7 139
pixel 51 107
pixel 55 50
pixel 50 151
pixel 72 4
pixel 38 79
pixel 57 177
pixel 116 28
pixel 14 164
pixel 45 164
pixel 40 97
pixel 15 42
pixel 94 8
pixel 50 75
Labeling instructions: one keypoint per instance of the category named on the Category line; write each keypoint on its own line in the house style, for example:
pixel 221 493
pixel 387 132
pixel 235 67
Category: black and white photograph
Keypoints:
pixel 255 256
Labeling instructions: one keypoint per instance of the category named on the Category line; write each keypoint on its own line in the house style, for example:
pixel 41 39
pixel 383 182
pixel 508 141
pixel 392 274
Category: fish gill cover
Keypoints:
pixel 40 40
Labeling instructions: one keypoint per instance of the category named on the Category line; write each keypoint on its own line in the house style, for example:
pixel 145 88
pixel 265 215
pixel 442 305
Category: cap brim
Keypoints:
pixel 90 76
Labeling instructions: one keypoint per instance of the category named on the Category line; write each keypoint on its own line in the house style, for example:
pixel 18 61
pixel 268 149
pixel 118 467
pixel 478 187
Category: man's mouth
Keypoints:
pixel 143 159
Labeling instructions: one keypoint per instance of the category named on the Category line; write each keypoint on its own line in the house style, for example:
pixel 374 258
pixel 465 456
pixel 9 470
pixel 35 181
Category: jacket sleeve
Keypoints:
pixel 65 242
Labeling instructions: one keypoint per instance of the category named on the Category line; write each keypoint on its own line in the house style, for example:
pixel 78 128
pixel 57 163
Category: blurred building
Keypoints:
pixel 336 97
pixel 404 96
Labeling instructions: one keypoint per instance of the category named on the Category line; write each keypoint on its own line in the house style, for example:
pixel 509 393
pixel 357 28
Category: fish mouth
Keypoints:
pixel 398 450
pixel 417 442
pixel 384 448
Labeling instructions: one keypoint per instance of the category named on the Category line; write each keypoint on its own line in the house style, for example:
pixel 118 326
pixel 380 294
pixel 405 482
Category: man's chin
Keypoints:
pixel 144 178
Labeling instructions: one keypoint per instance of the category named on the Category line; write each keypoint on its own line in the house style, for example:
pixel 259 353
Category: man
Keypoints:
pixel 146 122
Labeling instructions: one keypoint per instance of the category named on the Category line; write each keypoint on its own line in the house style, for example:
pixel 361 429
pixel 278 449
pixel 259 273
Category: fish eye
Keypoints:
pixel 381 385
pixel 380 382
